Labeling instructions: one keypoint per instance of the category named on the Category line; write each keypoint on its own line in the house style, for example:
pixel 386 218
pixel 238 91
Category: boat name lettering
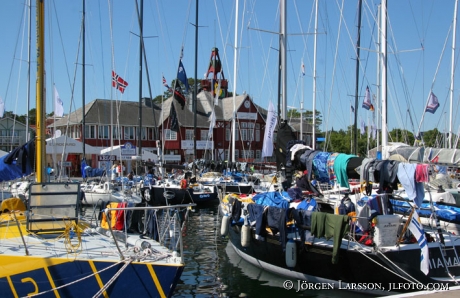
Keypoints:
pixel 205 196
pixel 389 225
pixel 438 263
pixel 63 144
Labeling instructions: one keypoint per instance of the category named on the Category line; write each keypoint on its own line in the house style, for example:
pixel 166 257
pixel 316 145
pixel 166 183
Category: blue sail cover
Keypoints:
pixel 18 163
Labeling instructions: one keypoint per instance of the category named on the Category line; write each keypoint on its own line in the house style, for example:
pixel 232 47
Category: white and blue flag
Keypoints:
pixel 416 228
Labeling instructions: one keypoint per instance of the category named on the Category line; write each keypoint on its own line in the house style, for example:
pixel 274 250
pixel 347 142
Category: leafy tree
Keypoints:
pixel 307 117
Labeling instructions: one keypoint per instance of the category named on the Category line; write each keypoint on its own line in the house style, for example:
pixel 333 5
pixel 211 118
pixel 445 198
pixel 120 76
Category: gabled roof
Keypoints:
pixel 126 112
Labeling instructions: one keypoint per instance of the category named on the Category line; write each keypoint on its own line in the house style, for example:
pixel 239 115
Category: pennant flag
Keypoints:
pixel 118 82
pixel 212 124
pixel 352 109
pixel 433 104
pixel 267 148
pixel 174 121
pixel 2 107
pixel 416 228
pixel 367 100
pixel 303 69
pixel 182 76
pixel 166 84
pixel 363 127
pixel 58 104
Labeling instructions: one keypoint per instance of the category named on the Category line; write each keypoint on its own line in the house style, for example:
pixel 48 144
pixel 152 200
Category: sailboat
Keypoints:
pixel 49 250
pixel 303 234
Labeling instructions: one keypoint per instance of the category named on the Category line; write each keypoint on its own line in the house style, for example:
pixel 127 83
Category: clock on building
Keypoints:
pixel 247 104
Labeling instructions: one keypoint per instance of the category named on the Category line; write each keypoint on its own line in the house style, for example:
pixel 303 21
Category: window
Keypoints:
pixel 227 134
pixel 227 152
pixel 144 133
pixel 258 154
pixel 169 135
pixel 104 132
pixel 151 133
pixel 90 131
pixel 129 133
pixel 204 134
pixel 257 135
pixel 236 154
pixel 244 135
pixel 189 134
pixel 116 133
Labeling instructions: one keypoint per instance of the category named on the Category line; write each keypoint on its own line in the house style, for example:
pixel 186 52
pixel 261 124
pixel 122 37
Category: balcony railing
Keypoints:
pixel 9 140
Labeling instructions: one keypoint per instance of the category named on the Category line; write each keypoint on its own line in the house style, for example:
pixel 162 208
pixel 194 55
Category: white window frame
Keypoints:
pixel 169 135
pixel 116 133
pixel 189 134
pixel 90 132
pixel 129 133
pixel 104 132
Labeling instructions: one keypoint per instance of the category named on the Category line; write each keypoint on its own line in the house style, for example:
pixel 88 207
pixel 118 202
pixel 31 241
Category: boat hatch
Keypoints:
pixel 51 206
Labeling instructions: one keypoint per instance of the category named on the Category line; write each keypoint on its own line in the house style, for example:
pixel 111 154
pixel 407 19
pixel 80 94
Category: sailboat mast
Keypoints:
pixel 83 99
pixel 28 70
pixel 283 44
pixel 383 85
pixel 40 92
pixel 358 46
pixel 313 144
pixel 195 89
pixel 452 75
pixel 141 41
pixel 235 58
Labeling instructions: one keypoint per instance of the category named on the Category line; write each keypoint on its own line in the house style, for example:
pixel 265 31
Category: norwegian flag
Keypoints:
pixel 118 82
pixel 166 84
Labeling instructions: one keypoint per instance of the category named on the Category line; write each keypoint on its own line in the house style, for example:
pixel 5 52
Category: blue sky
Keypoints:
pixel 111 44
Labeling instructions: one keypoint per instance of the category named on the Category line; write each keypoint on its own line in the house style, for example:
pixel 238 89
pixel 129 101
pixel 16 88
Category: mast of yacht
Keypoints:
pixel 358 47
pixel 141 42
pixel 383 85
pixel 83 82
pixel 314 79
pixel 40 92
pixel 28 69
pixel 195 89
pixel 452 67
pixel 234 81
pixel 283 49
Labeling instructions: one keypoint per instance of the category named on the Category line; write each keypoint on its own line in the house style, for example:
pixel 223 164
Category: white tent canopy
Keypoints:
pixel 67 145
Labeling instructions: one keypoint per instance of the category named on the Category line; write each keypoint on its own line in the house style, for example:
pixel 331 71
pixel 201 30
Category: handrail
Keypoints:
pixel 153 207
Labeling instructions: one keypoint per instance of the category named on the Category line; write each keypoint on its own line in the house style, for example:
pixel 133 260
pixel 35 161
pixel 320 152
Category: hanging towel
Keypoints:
pixel 330 225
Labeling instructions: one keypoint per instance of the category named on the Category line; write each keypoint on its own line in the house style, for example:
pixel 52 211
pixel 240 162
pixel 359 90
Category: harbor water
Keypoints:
pixel 213 269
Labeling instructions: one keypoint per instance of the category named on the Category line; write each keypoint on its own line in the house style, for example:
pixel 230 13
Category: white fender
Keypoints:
pixel 291 253
pixel 224 226
pixel 245 236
